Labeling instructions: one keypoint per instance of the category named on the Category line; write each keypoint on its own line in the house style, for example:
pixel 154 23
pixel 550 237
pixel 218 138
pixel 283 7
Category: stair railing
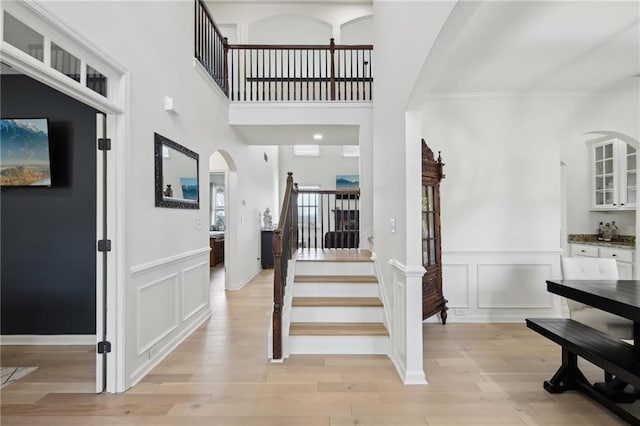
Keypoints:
pixel 329 219
pixel 284 244
pixel 309 219
pixel 211 46
pixel 289 73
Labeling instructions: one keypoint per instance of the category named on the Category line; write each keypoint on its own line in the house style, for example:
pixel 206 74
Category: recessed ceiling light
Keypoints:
pixel 317 136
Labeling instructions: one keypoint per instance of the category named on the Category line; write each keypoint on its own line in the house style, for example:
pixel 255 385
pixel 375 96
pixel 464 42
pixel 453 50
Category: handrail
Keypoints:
pixel 283 244
pixel 301 46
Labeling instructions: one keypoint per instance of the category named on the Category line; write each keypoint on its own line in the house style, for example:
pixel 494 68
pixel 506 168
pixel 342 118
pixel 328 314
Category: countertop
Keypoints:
pixel 218 235
pixel 623 241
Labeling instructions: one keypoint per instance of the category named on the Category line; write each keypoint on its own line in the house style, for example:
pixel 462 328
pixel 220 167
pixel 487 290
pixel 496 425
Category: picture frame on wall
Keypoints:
pixel 347 182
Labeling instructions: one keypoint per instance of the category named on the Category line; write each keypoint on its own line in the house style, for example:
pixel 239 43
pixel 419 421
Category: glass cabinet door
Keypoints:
pixel 630 177
pixel 428 226
pixel 604 175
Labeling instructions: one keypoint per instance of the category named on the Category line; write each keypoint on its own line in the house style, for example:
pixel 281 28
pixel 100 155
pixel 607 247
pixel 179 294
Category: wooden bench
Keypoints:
pixel 576 339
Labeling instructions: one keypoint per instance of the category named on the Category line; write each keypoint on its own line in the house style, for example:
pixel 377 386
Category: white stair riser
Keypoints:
pixel 334 268
pixel 335 290
pixel 337 314
pixel 337 345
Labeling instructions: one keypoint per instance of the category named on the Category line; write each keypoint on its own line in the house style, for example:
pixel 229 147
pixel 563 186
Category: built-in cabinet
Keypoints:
pixel 623 257
pixel 614 175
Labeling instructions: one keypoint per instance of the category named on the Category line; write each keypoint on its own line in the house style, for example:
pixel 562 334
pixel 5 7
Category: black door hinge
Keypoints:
pixel 104 347
pixel 104 245
pixel 104 144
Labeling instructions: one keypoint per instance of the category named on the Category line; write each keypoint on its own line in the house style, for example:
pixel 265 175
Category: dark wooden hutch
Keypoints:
pixel 433 300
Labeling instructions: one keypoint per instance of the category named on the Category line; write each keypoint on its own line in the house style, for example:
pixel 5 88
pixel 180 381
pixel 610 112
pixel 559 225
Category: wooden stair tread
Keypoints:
pixel 337 301
pixel 352 279
pixel 337 329
pixel 334 255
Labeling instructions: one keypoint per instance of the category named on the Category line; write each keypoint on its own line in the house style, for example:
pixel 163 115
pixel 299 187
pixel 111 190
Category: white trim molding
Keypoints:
pixel 145 267
pixel 202 72
pixel 49 339
pixel 500 286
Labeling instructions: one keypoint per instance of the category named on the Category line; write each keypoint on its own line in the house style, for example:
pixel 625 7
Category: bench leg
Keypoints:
pixel 607 377
pixel 568 376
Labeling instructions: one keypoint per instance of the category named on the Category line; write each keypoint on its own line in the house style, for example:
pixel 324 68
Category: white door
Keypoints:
pixel 103 247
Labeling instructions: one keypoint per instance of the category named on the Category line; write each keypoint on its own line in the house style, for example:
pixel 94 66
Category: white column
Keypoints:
pixel 406 327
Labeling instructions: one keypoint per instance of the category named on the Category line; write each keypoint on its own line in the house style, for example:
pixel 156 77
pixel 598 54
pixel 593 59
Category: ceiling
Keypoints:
pixel 544 46
pixel 299 135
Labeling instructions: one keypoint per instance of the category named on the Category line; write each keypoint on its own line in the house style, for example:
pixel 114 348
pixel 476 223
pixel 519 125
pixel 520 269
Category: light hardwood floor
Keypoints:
pixel 479 374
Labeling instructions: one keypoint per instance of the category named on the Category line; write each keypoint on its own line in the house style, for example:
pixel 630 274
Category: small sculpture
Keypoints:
pixel 267 219
pixel 169 191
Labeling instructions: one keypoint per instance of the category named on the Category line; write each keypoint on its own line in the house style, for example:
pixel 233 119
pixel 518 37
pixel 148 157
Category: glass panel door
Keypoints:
pixel 631 176
pixel 428 226
pixel 604 175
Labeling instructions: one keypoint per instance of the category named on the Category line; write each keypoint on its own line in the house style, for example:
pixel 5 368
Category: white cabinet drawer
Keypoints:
pixel 620 255
pixel 584 250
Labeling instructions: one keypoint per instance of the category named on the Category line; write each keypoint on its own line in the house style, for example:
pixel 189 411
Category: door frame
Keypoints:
pixel 114 105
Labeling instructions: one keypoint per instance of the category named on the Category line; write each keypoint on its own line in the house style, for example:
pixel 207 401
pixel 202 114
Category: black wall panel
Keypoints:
pixel 48 235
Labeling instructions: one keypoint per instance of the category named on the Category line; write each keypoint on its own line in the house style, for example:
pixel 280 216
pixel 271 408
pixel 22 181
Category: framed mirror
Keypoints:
pixel 176 169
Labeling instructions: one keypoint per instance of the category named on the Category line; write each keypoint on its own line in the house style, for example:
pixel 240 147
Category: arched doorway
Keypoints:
pixel 221 227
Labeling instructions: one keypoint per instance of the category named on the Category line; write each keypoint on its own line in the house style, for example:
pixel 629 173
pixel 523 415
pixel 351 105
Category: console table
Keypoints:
pixel 266 249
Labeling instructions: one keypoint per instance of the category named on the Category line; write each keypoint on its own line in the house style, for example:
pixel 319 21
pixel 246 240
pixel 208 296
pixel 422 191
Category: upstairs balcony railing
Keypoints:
pixel 289 73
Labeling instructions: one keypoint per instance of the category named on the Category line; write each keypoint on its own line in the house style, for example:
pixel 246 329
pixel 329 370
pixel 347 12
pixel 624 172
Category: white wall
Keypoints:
pixel 166 250
pixel 502 196
pixel 357 31
pixel 502 167
pixel 500 202
pixel 320 171
pixel 289 30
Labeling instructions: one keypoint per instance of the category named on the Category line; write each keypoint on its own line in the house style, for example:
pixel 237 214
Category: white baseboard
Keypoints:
pixel 48 339
pixel 245 282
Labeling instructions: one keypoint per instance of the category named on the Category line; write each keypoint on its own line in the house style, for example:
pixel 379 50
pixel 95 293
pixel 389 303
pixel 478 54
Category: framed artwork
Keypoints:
pixel 347 182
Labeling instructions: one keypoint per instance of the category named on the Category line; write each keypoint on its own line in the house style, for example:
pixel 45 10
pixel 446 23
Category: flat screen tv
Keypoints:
pixel 24 152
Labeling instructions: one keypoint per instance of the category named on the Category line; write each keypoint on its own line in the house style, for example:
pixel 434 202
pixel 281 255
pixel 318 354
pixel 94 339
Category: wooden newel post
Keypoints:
pixel 225 62
pixel 293 220
pixel 277 295
pixel 332 49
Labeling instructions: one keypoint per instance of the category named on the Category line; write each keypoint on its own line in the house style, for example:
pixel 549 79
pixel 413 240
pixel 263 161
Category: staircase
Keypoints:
pixel 336 308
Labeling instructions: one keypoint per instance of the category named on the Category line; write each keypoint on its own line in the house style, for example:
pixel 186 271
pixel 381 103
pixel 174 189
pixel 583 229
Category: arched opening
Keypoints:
pixel 357 31
pixel 221 184
pixel 579 213
pixel 290 29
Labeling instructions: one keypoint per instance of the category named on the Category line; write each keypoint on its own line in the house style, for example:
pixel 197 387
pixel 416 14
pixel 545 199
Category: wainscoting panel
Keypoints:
pixel 457 289
pixel 500 286
pixel 513 286
pixel 157 311
pixel 169 300
pixel 195 289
